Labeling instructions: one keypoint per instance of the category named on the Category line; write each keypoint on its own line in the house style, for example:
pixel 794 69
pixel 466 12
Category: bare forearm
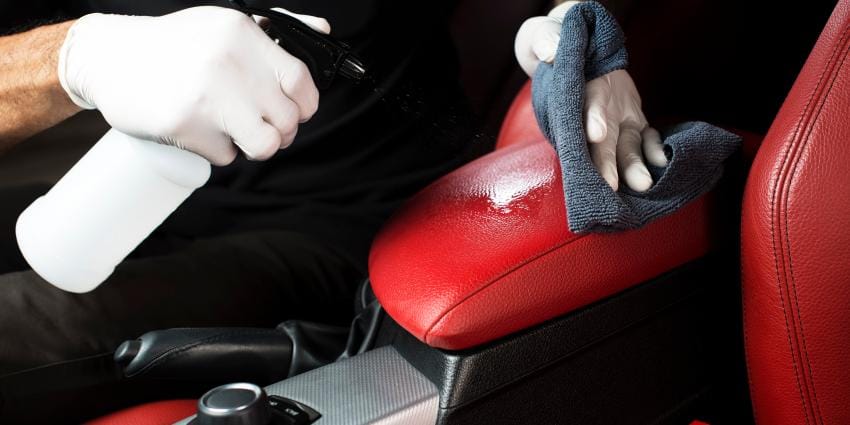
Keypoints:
pixel 31 98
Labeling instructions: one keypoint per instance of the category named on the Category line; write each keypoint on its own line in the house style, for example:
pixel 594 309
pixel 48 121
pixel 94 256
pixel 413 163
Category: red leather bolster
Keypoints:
pixel 796 245
pixel 156 413
pixel 485 252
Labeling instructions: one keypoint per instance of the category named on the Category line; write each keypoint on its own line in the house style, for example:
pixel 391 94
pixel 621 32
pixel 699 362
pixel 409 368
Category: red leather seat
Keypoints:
pixel 796 246
pixel 156 413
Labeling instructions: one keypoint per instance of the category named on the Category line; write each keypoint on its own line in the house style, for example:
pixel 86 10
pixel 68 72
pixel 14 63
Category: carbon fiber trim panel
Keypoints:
pixel 377 387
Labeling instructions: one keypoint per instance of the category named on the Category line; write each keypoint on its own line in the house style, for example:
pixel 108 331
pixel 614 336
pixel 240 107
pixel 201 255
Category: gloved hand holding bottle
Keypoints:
pixel 617 131
pixel 205 79
pixel 181 91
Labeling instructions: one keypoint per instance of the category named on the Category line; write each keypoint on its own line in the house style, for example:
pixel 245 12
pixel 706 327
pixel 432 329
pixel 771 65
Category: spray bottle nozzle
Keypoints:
pixel 324 55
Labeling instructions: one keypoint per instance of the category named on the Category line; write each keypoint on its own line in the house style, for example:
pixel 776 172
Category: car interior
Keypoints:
pixel 481 306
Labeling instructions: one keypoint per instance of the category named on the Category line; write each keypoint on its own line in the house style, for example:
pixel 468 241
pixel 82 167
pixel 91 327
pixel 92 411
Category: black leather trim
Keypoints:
pixel 213 354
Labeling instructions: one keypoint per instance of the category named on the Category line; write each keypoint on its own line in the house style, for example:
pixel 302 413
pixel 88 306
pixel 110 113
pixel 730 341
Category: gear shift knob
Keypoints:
pixel 234 404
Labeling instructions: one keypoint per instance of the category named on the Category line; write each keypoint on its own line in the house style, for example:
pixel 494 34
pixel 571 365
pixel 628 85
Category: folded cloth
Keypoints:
pixel 591 46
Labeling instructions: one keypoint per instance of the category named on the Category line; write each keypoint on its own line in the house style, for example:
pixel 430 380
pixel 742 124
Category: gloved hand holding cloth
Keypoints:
pixel 588 65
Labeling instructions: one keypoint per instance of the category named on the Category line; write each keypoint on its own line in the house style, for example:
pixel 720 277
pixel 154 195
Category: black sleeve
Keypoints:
pixel 348 18
pixel 17 16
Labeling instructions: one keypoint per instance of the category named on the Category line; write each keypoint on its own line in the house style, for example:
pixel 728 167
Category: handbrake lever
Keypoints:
pixel 324 55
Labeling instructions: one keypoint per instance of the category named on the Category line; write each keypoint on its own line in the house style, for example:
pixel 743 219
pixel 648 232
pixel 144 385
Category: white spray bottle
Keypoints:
pixel 105 206
pixel 124 187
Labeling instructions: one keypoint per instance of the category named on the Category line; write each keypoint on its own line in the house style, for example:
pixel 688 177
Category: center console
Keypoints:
pixel 649 355
pixel 376 387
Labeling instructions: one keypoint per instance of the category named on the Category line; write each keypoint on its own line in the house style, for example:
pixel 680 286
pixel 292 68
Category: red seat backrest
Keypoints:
pixel 483 32
pixel 520 125
pixel 796 246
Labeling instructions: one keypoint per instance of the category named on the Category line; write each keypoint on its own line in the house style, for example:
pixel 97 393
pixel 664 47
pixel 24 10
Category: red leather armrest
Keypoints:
pixel 485 251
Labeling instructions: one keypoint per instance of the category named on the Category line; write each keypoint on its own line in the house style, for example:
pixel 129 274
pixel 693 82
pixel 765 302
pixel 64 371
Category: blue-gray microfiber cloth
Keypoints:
pixel 592 44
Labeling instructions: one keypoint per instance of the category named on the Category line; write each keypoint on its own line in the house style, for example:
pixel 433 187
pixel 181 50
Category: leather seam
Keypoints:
pixel 776 257
pixel 778 189
pixel 176 352
pixel 804 141
pixel 496 279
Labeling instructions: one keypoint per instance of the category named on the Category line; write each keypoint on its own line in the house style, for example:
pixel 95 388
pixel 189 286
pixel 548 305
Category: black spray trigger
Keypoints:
pixel 324 56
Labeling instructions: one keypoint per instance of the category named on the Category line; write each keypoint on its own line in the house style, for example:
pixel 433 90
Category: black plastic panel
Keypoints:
pixel 644 356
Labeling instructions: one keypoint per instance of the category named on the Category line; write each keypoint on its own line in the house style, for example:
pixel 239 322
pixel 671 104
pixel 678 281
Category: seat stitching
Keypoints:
pixel 776 257
pixel 175 352
pixel 804 141
pixel 497 278
pixel 775 215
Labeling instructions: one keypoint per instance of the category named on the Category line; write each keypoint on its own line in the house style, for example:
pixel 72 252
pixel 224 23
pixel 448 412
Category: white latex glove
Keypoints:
pixel 205 79
pixel 319 24
pixel 616 127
